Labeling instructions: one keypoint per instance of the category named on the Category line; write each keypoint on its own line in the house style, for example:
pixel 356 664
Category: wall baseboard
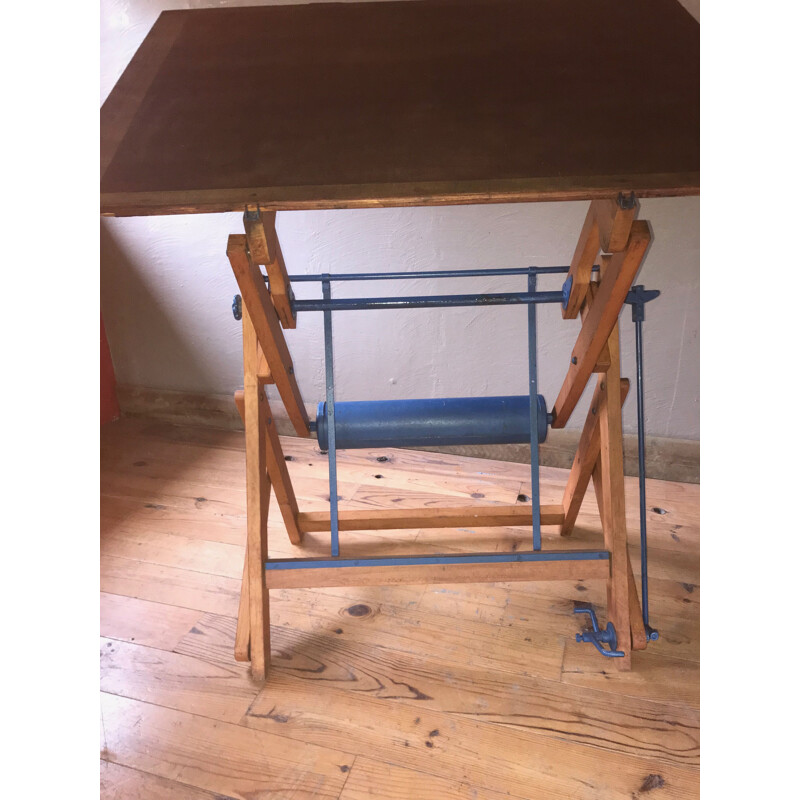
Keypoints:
pixel 667 459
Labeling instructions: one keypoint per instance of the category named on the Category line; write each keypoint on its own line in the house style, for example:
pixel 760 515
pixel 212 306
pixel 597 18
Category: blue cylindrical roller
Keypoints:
pixel 449 421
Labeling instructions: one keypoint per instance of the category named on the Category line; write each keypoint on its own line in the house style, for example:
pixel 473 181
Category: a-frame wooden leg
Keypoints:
pixel 585 459
pixel 241 644
pixel 279 474
pixel 615 534
pixel 258 490
pixel 638 634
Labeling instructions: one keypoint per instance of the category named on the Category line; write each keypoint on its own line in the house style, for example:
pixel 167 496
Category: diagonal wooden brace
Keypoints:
pixel 268 330
pixel 279 473
pixel 607 227
pixel 600 320
pixel 265 250
pixel 585 459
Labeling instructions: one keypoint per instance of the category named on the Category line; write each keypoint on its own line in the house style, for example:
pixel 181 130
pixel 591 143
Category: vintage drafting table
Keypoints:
pixel 424 102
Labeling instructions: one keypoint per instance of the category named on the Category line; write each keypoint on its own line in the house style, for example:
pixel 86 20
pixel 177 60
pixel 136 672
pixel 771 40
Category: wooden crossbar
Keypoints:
pixel 437 573
pixel 404 518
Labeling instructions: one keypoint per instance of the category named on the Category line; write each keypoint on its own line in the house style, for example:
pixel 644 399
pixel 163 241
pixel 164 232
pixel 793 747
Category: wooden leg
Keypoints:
pixel 638 635
pixel 585 459
pixel 258 490
pixel 279 474
pixel 241 645
pixel 615 533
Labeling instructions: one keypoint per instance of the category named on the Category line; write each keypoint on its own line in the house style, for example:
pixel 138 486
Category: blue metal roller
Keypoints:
pixel 448 421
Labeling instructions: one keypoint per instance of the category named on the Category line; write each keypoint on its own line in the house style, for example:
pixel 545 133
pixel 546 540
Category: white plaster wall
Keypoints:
pixel 166 289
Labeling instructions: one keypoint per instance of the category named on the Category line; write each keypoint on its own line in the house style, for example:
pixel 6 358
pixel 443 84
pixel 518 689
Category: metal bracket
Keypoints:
pixel 636 299
pixel 566 289
pixel 599 636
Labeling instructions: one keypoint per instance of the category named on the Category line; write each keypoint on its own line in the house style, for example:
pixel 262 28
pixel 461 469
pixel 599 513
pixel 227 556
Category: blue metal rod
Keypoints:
pixel 432 301
pixel 437 273
pixel 642 497
pixel 330 406
pixel 476 558
pixel 534 408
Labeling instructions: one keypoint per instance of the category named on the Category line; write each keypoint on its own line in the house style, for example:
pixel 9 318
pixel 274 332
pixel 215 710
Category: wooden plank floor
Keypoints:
pixel 424 692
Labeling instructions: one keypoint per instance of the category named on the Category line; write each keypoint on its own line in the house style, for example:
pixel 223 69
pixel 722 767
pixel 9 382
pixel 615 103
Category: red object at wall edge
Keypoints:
pixel 109 406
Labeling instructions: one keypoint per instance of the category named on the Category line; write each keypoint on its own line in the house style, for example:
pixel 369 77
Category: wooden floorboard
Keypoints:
pixel 459 691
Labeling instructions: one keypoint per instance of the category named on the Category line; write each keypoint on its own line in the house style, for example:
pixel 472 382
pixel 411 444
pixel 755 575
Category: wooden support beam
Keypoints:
pixel 600 320
pixel 580 268
pixel 268 330
pixel 265 249
pixel 258 490
pixel 403 518
pixel 614 219
pixel 585 458
pixel 638 634
pixel 607 227
pixel 615 533
pixel 241 642
pixel 264 372
pixel 278 472
pixel 436 574
pixel 604 359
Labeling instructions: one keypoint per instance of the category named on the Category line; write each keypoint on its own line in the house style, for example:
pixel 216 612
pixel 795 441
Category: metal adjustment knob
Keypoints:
pixel 598 636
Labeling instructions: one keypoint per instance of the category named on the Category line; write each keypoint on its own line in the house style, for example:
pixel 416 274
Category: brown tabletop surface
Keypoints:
pixel 420 102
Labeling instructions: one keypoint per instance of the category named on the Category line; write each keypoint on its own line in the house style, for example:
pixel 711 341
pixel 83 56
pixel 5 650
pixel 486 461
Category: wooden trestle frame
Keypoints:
pixel 612 230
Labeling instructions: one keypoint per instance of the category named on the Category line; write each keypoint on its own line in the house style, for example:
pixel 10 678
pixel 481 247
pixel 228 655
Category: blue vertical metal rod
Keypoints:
pixel 534 391
pixel 638 317
pixel 330 406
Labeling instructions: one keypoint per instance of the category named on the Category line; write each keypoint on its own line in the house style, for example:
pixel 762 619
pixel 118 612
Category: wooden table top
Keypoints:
pixel 404 103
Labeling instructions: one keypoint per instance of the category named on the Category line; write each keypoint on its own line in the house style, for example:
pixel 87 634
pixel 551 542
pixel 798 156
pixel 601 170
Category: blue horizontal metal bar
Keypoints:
pixel 400 561
pixel 434 301
pixel 436 273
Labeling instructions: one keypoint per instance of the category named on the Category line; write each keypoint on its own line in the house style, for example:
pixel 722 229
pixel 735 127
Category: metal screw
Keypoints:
pixel 594 411
pixel 602 386
pixel 236 306
pixel 291 370
pixel 574 359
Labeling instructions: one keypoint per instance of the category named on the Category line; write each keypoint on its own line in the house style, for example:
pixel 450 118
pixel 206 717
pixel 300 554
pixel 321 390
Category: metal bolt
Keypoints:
pixel 602 386
pixel 574 359
pixel 236 306
pixel 594 411
pixel 291 370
